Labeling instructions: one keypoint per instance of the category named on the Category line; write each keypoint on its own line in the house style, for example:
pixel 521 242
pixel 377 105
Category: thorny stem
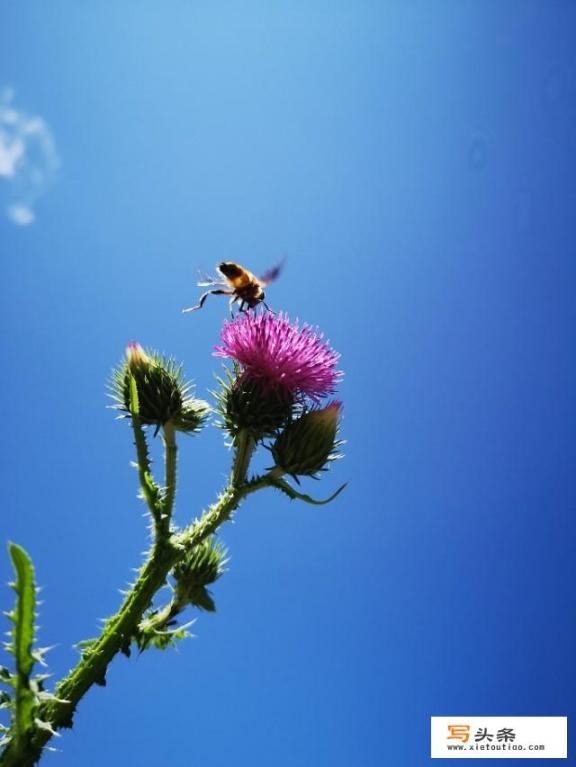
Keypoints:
pixel 92 667
pixel 170 460
pixel 148 487
pixel 166 552
pixel 244 444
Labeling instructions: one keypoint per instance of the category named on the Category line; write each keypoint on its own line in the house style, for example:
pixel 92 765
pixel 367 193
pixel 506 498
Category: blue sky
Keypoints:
pixel 415 163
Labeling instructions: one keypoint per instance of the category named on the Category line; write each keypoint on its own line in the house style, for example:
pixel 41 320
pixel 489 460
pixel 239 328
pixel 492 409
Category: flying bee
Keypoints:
pixel 240 284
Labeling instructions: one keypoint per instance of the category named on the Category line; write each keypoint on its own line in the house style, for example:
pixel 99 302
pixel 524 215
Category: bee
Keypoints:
pixel 240 284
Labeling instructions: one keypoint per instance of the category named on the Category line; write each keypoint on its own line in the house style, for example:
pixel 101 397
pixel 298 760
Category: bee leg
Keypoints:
pixel 231 302
pixel 268 308
pixel 242 309
pixel 203 298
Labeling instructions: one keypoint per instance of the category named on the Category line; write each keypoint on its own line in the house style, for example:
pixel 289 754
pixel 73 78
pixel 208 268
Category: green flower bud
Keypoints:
pixel 307 444
pixel 249 405
pixel 163 395
pixel 203 565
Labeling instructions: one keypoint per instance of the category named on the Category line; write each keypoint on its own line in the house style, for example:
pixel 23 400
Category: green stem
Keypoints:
pixel 149 488
pixel 244 444
pixel 92 666
pixel 91 669
pixel 167 505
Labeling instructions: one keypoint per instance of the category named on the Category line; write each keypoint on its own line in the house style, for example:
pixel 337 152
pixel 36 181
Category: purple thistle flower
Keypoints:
pixel 282 356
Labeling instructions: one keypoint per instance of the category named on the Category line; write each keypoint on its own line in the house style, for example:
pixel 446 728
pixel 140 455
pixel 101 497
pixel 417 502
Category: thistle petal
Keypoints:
pixel 289 357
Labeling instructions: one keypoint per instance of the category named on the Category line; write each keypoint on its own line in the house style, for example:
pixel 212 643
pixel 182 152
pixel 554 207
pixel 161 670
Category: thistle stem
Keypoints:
pixel 166 552
pixel 150 491
pixel 167 504
pixel 91 668
pixel 244 444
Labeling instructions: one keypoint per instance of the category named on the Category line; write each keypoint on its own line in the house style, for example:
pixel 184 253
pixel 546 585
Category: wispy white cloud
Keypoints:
pixel 28 160
pixel 20 214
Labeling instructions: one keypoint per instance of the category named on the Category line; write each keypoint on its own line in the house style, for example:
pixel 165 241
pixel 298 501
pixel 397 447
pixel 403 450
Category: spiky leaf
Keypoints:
pixel 21 645
pixel 285 487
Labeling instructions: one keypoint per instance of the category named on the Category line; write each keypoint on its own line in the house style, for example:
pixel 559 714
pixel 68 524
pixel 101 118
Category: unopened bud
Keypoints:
pixel 307 444
pixel 202 566
pixel 251 406
pixel 163 395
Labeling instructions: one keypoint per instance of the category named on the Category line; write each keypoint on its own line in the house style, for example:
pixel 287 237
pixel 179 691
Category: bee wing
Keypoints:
pixel 207 281
pixel 272 273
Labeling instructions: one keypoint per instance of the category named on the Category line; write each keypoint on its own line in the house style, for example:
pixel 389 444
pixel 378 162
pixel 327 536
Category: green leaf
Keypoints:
pixel 5 675
pixel 200 597
pixel 283 486
pixel 162 639
pixel 22 636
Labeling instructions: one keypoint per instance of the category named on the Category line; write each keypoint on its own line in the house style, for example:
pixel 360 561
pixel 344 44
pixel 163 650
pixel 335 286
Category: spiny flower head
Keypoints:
pixel 308 443
pixel 283 356
pixel 201 566
pixel 163 394
pixel 248 405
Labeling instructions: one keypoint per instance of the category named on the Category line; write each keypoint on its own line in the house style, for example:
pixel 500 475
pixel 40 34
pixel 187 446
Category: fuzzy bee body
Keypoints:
pixel 240 284
pixel 247 288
